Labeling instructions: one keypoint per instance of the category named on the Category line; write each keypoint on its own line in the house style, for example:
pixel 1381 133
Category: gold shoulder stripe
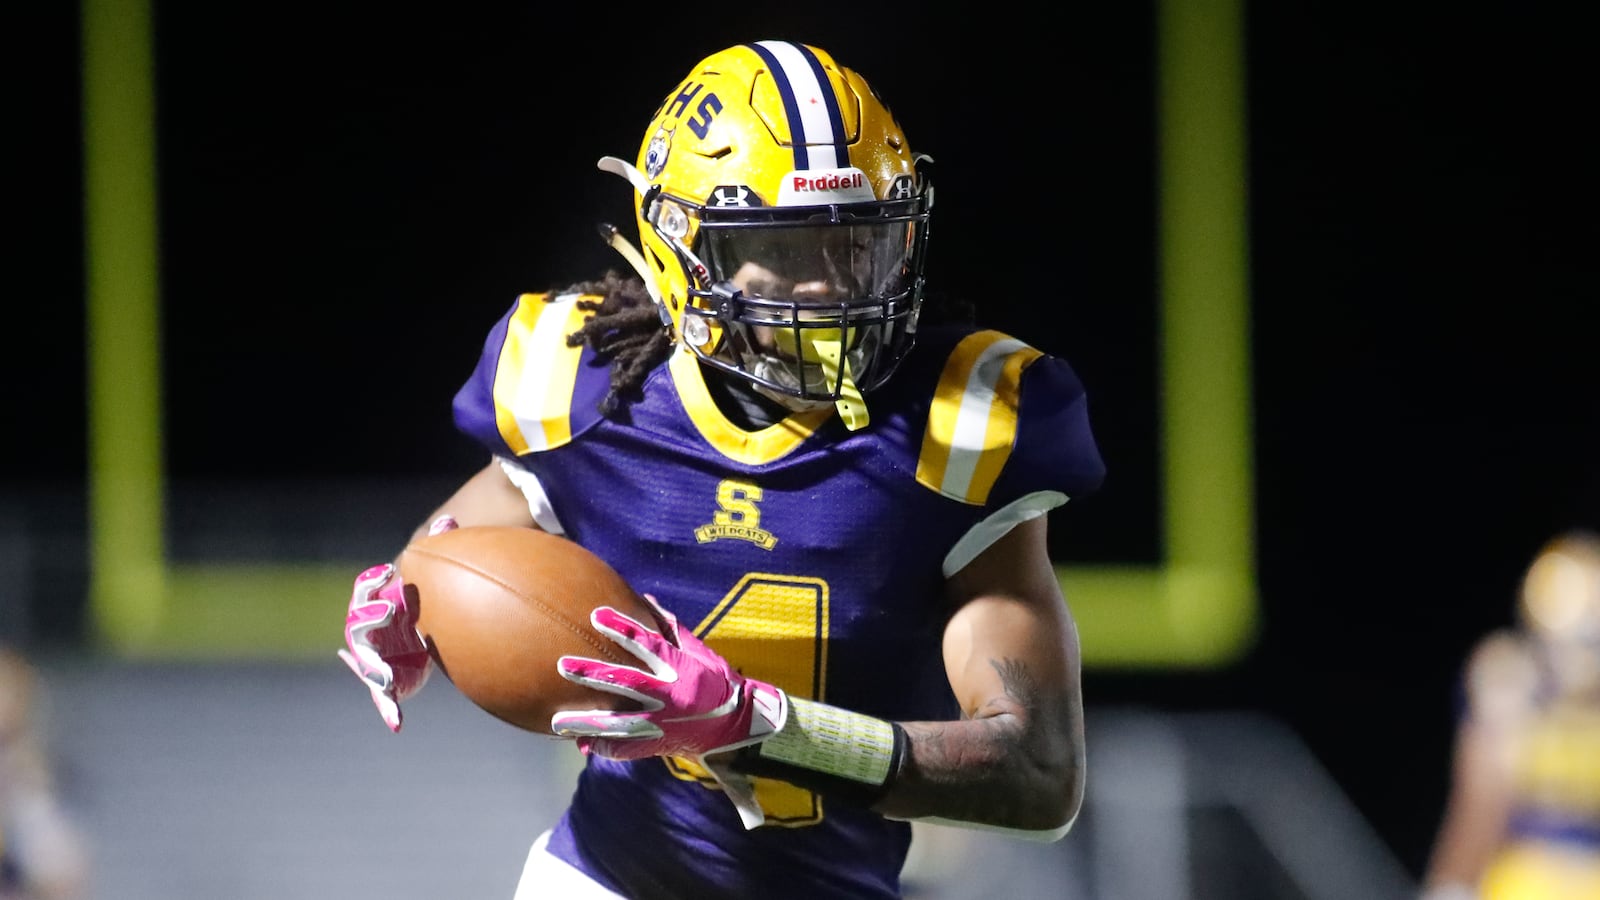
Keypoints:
pixel 972 424
pixel 534 380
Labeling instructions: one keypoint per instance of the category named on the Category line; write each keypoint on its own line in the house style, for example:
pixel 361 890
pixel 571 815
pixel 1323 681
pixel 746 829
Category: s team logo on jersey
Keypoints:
pixel 739 518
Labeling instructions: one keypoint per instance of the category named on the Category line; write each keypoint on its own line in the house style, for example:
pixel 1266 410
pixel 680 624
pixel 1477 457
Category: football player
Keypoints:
pixel 1523 817
pixel 838 504
pixel 42 851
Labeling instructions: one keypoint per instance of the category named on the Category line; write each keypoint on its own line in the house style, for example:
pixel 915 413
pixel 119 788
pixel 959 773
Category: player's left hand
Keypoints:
pixel 694 702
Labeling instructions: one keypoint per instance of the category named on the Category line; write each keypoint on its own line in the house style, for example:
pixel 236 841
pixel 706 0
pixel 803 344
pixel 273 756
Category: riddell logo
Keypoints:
pixel 815 187
pixel 836 181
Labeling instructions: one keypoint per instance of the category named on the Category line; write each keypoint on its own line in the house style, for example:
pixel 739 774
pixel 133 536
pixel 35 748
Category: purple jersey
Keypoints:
pixel 808 555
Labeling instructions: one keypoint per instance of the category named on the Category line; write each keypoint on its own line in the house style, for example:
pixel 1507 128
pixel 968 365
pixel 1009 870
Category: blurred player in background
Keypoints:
pixel 41 852
pixel 838 502
pixel 1523 817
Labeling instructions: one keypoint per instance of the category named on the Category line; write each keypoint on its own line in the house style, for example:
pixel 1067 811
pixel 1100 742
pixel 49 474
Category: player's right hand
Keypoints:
pixel 382 645
pixel 694 702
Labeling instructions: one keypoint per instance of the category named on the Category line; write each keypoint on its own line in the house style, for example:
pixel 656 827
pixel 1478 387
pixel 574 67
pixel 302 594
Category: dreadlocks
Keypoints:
pixel 625 329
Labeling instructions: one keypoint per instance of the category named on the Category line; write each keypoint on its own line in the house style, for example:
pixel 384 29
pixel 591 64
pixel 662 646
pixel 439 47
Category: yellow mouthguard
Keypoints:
pixel 824 347
pixel 830 355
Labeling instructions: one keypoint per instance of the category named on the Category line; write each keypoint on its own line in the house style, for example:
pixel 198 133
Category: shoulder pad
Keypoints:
pixel 993 435
pixel 972 423
pixel 531 390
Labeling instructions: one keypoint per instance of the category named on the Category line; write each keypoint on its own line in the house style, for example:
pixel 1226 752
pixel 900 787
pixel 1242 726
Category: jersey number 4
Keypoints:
pixel 775 628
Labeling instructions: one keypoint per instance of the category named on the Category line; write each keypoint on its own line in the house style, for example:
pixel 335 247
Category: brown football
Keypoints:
pixel 499 605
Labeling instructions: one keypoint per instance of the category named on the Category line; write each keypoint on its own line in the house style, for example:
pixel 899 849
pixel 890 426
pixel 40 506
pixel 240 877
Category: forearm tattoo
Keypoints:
pixel 1009 763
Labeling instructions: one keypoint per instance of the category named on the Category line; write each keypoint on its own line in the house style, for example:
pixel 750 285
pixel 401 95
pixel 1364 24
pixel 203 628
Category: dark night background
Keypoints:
pixel 351 195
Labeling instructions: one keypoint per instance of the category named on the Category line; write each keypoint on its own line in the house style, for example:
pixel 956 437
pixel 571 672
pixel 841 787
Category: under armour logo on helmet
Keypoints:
pixel 903 188
pixel 733 195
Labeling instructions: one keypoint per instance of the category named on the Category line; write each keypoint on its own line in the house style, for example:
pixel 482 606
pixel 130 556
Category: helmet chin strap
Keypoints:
pixel 625 169
pixel 635 259
pixel 617 242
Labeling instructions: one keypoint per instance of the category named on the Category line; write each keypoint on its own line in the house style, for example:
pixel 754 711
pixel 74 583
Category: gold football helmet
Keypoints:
pixel 1560 598
pixel 783 220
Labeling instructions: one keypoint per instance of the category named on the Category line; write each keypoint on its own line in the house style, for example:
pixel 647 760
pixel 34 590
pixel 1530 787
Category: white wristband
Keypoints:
pixel 833 741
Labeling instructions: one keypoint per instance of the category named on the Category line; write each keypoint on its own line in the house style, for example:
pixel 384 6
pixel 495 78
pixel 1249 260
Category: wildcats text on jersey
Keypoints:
pixel 738 517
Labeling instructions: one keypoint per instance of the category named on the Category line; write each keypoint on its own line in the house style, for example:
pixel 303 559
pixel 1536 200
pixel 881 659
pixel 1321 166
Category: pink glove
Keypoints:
pixel 694 702
pixel 382 644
